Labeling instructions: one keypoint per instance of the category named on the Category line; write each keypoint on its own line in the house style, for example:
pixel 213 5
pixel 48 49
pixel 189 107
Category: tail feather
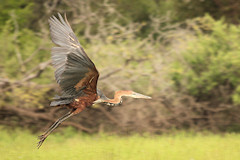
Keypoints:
pixel 60 102
pixel 57 97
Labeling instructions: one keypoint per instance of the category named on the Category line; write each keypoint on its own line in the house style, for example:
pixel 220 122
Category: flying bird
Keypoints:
pixel 76 75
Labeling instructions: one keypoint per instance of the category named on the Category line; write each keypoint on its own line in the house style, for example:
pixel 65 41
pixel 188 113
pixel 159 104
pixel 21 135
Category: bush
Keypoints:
pixel 21 11
pixel 210 66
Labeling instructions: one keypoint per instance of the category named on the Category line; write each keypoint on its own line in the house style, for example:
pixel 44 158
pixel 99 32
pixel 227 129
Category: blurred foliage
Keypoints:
pixel 138 10
pixel 211 61
pixel 17 41
pixel 30 96
pixel 135 39
pixel 188 9
pixel 21 10
pixel 24 43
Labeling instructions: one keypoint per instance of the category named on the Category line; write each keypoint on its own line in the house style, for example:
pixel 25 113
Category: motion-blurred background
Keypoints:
pixel 183 53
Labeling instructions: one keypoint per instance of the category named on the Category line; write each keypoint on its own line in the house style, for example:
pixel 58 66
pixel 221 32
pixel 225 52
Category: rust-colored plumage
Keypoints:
pixel 76 74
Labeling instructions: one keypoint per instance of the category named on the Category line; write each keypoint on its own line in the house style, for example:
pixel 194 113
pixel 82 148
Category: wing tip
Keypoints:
pixel 59 15
pixel 53 17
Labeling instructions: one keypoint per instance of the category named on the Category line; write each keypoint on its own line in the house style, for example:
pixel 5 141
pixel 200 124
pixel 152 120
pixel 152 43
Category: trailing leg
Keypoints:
pixel 54 126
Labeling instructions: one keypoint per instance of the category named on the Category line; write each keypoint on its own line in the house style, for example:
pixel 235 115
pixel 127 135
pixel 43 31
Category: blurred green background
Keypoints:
pixel 183 53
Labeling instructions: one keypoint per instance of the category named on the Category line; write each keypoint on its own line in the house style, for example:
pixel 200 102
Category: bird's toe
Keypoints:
pixel 41 140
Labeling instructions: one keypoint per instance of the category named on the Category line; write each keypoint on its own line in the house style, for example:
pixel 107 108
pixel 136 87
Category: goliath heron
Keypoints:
pixel 76 75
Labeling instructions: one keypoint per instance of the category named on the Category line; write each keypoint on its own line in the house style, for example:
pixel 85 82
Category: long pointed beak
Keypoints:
pixel 138 95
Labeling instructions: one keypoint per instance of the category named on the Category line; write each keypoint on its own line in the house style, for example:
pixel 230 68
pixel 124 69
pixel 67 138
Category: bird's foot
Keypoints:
pixel 41 140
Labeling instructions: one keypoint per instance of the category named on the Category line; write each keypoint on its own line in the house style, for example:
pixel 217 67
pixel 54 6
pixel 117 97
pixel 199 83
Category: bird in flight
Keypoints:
pixel 76 75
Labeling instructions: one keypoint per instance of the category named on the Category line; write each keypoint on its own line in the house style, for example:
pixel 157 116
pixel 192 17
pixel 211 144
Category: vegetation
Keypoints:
pixel 181 146
pixel 183 53
pixel 211 62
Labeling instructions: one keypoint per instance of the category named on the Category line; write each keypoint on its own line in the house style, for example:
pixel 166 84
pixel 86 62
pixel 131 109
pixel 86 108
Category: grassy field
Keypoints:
pixel 76 146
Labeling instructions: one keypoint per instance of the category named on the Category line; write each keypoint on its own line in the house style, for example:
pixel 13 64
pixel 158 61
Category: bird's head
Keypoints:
pixel 118 97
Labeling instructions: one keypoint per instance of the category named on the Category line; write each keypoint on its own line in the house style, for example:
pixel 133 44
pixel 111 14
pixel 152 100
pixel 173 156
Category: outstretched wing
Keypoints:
pixel 75 72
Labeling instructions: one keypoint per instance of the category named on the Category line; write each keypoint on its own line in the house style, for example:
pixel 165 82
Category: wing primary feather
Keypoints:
pixel 63 22
pixel 73 66
pixel 65 17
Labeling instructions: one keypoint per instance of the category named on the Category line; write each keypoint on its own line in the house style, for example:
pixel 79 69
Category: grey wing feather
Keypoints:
pixel 61 102
pixel 70 60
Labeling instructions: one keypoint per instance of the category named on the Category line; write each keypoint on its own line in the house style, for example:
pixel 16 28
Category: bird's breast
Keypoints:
pixel 83 102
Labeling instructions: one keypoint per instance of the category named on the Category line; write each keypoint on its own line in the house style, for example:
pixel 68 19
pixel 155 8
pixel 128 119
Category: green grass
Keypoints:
pixel 76 146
